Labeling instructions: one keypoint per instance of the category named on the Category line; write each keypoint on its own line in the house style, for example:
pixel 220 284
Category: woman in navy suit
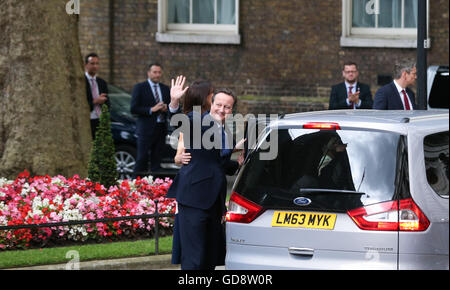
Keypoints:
pixel 199 94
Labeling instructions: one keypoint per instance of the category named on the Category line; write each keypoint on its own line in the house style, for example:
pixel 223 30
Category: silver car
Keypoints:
pixel 347 189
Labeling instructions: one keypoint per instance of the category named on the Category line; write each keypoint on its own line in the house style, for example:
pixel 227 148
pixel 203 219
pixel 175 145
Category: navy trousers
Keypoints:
pixel 153 143
pixel 202 237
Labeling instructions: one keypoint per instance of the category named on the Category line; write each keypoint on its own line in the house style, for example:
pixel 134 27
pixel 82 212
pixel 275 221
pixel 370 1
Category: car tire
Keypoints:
pixel 125 159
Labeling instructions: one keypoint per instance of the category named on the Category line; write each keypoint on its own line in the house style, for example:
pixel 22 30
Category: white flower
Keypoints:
pixel 58 181
pixel 37 203
pixel 25 190
pixel 149 179
pixel 57 200
pixel 4 181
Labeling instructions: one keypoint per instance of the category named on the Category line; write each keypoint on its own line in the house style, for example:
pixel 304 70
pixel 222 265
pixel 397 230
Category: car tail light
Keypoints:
pixel 242 210
pixel 402 215
pixel 322 125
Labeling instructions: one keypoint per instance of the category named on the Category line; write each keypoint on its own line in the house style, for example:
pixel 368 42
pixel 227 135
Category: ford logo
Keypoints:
pixel 302 201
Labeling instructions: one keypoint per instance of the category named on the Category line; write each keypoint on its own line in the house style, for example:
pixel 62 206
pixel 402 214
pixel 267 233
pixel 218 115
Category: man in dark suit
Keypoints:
pixel 149 102
pixel 200 190
pixel 96 90
pixel 350 94
pixel 396 95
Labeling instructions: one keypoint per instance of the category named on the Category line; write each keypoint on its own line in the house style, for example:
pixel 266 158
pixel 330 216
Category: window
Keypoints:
pixel 379 23
pixel 329 167
pixel 198 21
pixel 436 162
pixel 438 87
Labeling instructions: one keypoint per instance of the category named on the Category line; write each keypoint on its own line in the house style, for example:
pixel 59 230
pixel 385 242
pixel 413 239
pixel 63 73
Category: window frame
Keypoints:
pixel 377 37
pixel 196 33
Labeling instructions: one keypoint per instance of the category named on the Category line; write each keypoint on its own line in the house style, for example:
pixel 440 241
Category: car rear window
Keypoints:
pixel 336 170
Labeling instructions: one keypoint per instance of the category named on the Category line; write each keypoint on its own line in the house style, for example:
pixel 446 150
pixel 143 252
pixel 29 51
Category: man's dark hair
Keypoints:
pixel 349 63
pixel 154 64
pixel 226 92
pixel 92 54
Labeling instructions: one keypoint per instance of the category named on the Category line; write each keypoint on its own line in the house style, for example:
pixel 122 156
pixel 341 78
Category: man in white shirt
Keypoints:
pixel 96 90
pixel 396 95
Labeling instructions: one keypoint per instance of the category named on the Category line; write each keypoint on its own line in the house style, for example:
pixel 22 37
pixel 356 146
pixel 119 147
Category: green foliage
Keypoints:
pixel 102 165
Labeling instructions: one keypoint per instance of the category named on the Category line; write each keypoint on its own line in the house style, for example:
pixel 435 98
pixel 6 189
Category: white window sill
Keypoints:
pixel 365 41
pixel 205 38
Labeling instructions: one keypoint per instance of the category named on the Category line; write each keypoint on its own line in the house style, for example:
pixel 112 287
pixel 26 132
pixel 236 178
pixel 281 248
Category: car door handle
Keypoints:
pixel 305 252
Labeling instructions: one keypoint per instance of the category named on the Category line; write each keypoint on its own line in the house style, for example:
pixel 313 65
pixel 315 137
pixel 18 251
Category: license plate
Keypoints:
pixel 312 220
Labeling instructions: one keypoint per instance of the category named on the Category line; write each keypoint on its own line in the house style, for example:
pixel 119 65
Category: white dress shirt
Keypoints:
pixel 90 78
pixel 400 89
pixel 347 85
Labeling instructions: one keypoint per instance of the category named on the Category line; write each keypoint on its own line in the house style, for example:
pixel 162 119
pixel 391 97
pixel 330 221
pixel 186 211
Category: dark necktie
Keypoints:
pixel 159 119
pixel 405 100
pixel 157 98
pixel 224 151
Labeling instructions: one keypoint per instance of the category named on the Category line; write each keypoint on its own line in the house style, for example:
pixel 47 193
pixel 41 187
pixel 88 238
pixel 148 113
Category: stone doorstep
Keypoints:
pixel 136 263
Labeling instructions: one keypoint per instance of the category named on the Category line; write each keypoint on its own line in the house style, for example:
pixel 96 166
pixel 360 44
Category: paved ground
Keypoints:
pixel 160 262
pixel 138 263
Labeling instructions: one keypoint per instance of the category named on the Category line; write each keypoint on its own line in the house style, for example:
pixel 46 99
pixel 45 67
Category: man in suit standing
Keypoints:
pixel 149 102
pixel 350 94
pixel 200 189
pixel 96 90
pixel 396 95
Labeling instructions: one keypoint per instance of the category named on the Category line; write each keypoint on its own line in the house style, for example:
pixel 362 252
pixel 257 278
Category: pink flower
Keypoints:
pixel 85 201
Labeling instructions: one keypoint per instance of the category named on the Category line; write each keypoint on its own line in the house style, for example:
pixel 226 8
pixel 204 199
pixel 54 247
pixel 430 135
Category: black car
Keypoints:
pixel 123 127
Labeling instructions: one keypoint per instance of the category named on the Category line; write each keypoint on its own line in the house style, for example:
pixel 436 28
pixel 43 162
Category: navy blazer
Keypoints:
pixel 201 182
pixel 388 98
pixel 339 95
pixel 142 100
pixel 102 89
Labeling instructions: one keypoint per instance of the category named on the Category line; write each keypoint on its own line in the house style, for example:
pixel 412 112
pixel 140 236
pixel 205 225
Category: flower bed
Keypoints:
pixel 45 199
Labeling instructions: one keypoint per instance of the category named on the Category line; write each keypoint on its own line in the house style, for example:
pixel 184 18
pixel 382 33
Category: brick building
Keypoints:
pixel 258 47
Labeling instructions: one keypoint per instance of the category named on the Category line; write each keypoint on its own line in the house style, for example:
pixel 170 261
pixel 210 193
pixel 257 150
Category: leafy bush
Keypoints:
pixel 102 164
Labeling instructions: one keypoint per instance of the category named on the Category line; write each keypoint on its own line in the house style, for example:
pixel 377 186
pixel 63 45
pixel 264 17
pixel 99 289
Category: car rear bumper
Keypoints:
pixel 423 262
pixel 248 257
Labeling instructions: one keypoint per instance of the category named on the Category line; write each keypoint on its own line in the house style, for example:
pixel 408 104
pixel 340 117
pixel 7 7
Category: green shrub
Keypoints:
pixel 102 165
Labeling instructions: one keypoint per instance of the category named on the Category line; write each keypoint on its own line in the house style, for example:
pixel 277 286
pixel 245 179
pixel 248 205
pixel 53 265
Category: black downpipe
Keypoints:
pixel 422 55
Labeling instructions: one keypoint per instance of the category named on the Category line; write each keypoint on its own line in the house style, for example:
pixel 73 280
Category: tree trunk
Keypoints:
pixel 44 114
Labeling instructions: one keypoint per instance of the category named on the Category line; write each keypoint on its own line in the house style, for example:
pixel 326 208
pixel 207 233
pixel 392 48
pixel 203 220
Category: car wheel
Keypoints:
pixel 125 159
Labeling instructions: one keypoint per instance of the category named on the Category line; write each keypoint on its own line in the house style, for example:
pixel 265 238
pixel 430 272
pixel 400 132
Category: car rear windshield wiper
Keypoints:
pixel 325 190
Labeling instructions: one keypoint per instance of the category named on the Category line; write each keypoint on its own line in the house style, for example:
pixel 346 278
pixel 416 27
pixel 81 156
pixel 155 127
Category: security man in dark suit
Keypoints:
pixel 200 189
pixel 96 90
pixel 396 95
pixel 350 94
pixel 149 102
